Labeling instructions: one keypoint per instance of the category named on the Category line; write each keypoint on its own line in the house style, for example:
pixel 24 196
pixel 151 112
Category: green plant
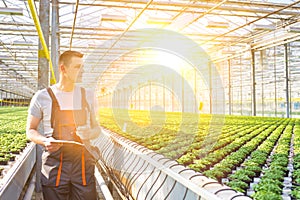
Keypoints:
pixel 274 174
pixel 296 192
pixel 262 195
pixel 238 185
pixel 269 185
pixel 4 161
pixel 241 177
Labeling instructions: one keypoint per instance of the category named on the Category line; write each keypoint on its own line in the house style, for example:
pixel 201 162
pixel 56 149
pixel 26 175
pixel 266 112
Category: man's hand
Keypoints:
pixel 50 146
pixel 86 133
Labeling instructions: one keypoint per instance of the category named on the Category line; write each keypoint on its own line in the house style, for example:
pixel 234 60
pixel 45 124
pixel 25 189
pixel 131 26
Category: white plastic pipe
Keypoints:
pixel 103 187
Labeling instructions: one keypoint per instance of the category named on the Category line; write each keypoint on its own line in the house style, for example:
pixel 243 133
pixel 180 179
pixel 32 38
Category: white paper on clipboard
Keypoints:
pixel 66 142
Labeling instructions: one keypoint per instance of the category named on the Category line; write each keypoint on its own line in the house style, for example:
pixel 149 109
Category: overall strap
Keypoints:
pixel 84 102
pixel 84 105
pixel 54 105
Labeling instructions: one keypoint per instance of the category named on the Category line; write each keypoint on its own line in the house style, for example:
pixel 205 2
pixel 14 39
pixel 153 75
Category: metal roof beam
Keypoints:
pixel 230 6
pixel 11 11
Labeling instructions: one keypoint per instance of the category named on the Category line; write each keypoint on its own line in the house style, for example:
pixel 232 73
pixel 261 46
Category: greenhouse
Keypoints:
pixel 193 99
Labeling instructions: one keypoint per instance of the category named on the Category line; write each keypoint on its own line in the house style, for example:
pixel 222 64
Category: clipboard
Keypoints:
pixel 65 142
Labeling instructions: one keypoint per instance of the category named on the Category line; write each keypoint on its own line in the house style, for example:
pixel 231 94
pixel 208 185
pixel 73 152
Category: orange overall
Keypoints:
pixel 69 172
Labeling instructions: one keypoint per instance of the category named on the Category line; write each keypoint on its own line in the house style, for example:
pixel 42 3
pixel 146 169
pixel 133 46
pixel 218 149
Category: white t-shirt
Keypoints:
pixel 41 104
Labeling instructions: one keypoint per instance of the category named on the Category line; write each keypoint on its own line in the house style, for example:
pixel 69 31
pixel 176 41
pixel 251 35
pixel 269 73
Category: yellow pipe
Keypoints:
pixel 42 39
pixel 12 102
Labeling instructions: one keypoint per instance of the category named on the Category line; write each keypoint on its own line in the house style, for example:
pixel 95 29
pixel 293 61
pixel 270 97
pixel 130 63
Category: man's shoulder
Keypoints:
pixel 41 94
pixel 39 102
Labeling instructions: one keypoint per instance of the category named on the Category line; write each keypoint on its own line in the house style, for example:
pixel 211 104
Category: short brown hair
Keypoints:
pixel 65 58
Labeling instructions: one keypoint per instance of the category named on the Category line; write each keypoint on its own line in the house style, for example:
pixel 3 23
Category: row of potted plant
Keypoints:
pixel 13 119
pixel 225 167
pixel 12 132
pixel 252 167
pixel 220 154
pixel 222 142
pixel 184 146
pixel 296 162
pixel 240 137
pixel 197 151
pixel 271 182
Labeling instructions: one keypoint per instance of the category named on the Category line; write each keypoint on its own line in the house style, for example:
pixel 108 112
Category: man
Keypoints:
pixel 67 169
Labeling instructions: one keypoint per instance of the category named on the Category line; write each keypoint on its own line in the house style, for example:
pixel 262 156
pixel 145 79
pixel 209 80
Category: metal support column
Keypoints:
pixel 55 38
pixel 229 87
pixel 116 99
pixel 145 98
pixel 241 87
pixel 150 96
pixel 130 98
pixel 275 82
pixel 43 75
pixel 119 98
pixel 261 61
pixel 164 92
pixel 195 92
pixel 123 98
pixel 156 95
pixel 43 64
pixel 5 103
pixel 135 99
pixel 253 83
pixel 110 99
pixel 126 98
pixel 173 98
pixel 182 91
pixel 286 66
pixel 139 90
pixel 210 86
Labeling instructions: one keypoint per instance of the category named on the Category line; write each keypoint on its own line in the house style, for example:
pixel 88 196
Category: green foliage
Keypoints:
pixel 269 185
pixel 263 195
pixel 238 185
pixel 296 192
pixel 214 153
pixel 12 131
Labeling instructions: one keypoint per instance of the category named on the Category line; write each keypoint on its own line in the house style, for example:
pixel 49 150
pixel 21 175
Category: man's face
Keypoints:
pixel 74 70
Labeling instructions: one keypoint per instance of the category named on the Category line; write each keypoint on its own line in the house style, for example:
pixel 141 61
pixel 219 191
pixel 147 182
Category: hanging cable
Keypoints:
pixel 74 21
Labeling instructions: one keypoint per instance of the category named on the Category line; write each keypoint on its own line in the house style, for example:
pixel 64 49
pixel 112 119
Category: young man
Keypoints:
pixel 67 169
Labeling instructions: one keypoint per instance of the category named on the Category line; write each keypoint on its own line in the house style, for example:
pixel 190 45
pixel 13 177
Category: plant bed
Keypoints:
pixel 295 194
pixel 245 144
pixel 4 161
pixel 238 186
pixel 266 196
pixel 15 151
pixel 11 157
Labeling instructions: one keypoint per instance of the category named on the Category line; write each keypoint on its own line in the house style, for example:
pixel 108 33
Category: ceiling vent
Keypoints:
pixel 265 27
pixel 157 20
pixel 215 24
pixel 113 18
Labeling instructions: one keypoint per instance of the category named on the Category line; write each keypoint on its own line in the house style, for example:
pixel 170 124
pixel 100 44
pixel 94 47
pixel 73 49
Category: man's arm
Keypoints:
pixel 86 133
pixel 89 132
pixel 36 137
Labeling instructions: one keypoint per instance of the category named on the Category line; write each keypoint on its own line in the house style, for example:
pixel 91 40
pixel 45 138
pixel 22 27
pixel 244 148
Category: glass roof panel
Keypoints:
pixel 97 21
